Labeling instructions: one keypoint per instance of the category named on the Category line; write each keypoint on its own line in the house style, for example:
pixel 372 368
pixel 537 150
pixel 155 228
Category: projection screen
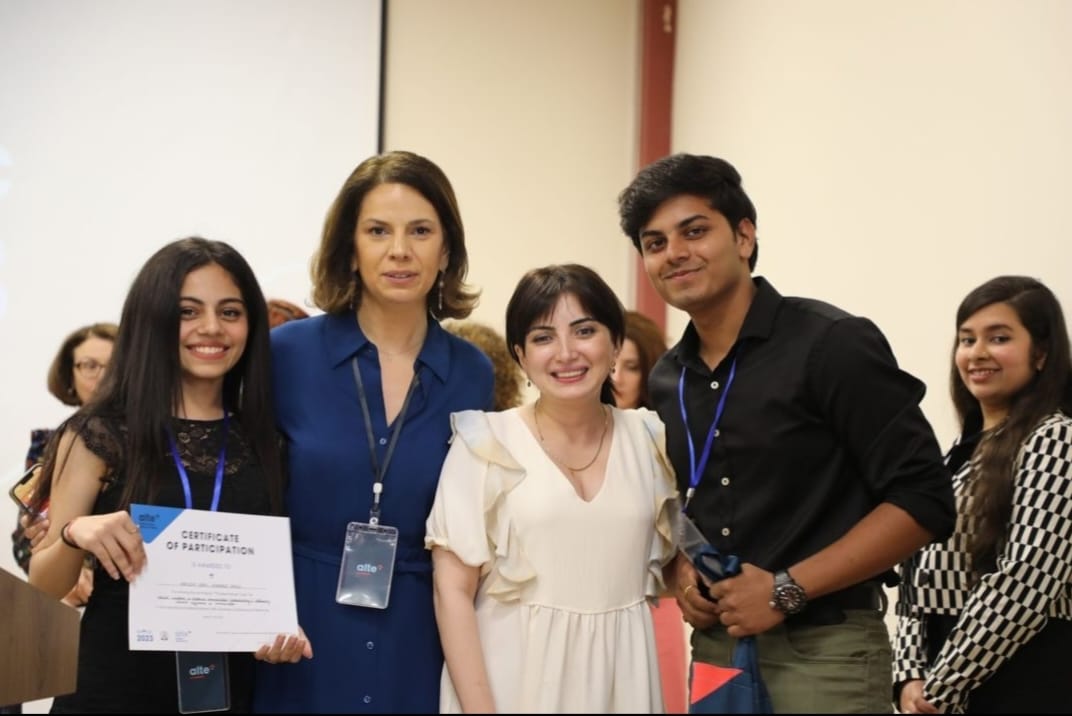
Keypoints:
pixel 125 124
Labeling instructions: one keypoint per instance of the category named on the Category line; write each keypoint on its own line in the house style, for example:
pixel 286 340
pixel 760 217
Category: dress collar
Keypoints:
pixel 345 339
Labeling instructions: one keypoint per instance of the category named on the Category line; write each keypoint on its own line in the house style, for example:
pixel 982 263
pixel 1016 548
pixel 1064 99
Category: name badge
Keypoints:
pixel 368 564
pixel 203 681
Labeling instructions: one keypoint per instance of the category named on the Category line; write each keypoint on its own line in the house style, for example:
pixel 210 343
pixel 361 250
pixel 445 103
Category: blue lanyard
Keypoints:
pixel 697 468
pixel 378 471
pixel 186 478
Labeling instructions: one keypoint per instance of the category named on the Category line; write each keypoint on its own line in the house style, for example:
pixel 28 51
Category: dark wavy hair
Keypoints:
pixel 337 289
pixel 710 178
pixel 61 372
pixel 143 383
pixel 1050 390
pixel 538 291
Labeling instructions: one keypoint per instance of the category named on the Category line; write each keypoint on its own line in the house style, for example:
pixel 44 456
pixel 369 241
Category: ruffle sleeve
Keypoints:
pixel 468 515
pixel 667 504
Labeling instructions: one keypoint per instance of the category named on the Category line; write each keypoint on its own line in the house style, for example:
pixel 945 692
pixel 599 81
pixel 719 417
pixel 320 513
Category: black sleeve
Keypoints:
pixel 873 406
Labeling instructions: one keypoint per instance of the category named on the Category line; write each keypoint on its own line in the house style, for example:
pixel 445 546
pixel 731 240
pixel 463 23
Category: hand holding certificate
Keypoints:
pixel 213 581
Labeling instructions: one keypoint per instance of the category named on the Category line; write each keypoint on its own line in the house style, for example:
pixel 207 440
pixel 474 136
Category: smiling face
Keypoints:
pixel 399 248
pixel 213 324
pixel 692 255
pixel 568 354
pixel 996 359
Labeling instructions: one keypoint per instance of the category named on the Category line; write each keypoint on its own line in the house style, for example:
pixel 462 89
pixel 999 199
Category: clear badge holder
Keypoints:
pixel 708 561
pixel 368 565
pixel 203 682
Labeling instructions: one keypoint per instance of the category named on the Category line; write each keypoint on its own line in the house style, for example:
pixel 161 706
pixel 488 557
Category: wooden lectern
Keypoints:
pixel 38 643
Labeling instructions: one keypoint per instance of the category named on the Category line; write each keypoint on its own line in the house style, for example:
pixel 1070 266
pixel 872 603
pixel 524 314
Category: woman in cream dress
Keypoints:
pixel 552 522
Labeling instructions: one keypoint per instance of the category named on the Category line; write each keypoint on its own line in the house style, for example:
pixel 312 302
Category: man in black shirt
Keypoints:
pixel 797 441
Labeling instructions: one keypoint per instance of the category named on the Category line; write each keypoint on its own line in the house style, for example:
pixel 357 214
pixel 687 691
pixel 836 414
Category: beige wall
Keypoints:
pixel 529 108
pixel 899 152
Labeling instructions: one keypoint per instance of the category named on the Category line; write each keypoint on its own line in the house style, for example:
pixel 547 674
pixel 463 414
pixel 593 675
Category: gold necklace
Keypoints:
pixel 602 436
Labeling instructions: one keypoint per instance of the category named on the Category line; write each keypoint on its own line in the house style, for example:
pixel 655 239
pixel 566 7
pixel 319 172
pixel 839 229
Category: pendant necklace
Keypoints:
pixel 602 436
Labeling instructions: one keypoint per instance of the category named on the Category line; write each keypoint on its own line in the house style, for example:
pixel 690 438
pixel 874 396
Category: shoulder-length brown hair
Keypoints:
pixel 336 288
pixel 61 372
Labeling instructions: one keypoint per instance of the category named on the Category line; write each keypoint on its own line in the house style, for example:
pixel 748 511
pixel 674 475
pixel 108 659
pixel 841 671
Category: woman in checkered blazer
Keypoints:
pixel 985 618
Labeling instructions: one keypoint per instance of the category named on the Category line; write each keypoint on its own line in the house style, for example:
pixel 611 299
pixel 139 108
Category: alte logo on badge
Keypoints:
pixel 200 672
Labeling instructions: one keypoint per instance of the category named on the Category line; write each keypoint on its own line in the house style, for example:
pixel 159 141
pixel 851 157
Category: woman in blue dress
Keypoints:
pixel 364 394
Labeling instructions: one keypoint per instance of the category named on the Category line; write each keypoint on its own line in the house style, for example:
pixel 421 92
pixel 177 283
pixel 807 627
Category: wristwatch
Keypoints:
pixel 787 597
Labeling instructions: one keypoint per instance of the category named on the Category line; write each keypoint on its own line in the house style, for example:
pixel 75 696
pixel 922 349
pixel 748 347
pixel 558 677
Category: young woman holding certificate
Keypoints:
pixel 183 418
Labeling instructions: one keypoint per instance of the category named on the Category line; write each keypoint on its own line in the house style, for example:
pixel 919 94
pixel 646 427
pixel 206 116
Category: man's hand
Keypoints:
pixel 744 602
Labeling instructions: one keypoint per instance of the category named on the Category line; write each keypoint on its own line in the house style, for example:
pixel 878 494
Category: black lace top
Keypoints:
pixel 111 678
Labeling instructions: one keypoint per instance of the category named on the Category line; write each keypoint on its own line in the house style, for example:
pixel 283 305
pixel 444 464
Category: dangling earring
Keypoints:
pixel 440 310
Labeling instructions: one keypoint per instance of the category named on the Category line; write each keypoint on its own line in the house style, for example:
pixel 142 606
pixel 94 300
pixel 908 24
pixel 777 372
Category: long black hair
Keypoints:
pixel 1050 390
pixel 143 384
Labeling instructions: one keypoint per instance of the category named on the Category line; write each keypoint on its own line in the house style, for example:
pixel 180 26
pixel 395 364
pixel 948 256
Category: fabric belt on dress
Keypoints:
pixel 408 560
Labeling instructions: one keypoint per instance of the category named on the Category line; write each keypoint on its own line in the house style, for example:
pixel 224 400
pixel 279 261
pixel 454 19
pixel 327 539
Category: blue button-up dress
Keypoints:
pixel 365 660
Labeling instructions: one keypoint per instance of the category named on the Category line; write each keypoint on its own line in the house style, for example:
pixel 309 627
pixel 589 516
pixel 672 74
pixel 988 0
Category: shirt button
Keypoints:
pixel 383 441
pixel 714 385
pixel 725 531
pixel 370 645
pixel 717 432
pixel 367 699
pixel 725 481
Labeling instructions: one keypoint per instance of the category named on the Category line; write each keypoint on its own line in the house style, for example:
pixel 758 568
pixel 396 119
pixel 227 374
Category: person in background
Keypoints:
pixel 186 405
pixel 798 442
pixel 492 343
pixel 985 618
pixel 644 344
pixel 552 522
pixel 72 378
pixel 364 393
pixel 281 311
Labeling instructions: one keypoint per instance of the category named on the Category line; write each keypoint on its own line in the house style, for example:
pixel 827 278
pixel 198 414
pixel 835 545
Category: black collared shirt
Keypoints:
pixel 820 426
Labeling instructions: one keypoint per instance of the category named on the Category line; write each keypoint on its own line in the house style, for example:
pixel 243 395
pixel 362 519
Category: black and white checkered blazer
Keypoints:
pixel 1007 607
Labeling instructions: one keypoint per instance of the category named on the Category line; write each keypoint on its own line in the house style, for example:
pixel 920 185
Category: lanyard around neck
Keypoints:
pixel 697 469
pixel 379 473
pixel 186 478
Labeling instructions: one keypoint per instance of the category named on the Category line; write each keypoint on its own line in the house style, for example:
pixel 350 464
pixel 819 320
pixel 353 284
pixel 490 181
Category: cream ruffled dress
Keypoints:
pixel 562 601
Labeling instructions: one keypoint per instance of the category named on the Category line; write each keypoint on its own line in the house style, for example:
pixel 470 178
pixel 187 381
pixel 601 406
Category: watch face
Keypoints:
pixel 790 598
